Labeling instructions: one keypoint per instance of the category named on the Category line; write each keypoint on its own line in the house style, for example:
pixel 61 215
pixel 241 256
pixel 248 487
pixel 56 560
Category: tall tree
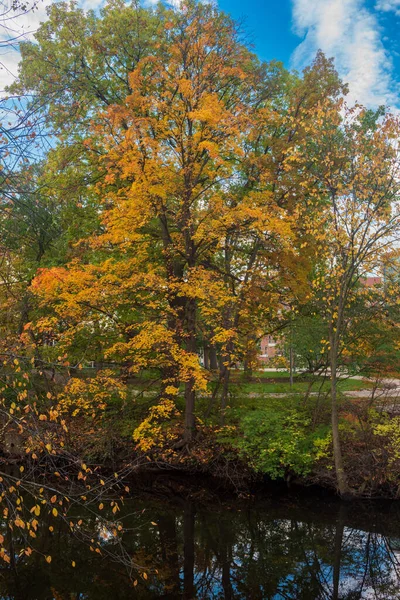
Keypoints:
pixel 356 161
pixel 201 209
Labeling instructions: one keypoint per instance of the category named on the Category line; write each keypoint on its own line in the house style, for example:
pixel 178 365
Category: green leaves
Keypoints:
pixel 280 439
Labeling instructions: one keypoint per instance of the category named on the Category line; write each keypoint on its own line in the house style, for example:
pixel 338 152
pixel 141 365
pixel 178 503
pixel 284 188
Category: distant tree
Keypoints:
pixel 304 335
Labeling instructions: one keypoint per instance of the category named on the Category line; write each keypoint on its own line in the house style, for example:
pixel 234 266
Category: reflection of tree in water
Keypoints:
pixel 272 553
pixel 297 560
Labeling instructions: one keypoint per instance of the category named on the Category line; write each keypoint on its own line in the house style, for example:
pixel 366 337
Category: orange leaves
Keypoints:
pixel 19 523
pixel 211 111
pixel 185 87
pixel 48 281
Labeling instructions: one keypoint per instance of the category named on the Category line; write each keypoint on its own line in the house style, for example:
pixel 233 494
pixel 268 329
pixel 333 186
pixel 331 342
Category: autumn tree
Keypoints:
pixel 171 150
pixel 277 248
pixel 356 163
pixel 200 205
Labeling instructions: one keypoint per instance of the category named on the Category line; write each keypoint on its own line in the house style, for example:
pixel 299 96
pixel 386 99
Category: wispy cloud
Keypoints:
pixel 351 33
pixel 388 6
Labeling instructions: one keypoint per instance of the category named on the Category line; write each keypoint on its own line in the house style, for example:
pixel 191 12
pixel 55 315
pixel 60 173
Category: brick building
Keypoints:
pixel 268 348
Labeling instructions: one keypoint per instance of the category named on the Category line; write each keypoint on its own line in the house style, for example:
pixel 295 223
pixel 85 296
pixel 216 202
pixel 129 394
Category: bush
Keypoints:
pixel 281 441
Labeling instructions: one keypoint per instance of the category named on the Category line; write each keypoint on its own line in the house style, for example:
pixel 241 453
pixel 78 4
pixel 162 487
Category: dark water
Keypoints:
pixel 197 545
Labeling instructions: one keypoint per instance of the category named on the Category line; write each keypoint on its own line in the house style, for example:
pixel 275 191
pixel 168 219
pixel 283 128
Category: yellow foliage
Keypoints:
pixel 90 396
pixel 153 431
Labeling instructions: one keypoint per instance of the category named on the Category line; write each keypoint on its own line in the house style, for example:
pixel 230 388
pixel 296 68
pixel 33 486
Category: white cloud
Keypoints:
pixel 91 4
pixel 388 6
pixel 348 31
pixel 20 26
pixel 174 3
pixel 16 26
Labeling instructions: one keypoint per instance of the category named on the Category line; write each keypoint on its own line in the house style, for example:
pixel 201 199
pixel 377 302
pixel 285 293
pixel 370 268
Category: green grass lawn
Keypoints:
pixel 136 407
pixel 315 384
pixel 237 375
pixel 239 387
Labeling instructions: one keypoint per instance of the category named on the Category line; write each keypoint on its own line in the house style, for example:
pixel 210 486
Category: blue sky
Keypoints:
pixel 269 24
pixel 362 36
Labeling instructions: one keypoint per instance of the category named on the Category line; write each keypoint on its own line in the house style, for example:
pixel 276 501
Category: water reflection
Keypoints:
pixel 275 550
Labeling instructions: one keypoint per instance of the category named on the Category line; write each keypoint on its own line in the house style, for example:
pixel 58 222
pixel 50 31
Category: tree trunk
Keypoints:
pixel 190 399
pixel 225 389
pixel 206 357
pixel 213 359
pixel 291 365
pixel 225 376
pixel 190 394
pixel 247 370
pixel 341 478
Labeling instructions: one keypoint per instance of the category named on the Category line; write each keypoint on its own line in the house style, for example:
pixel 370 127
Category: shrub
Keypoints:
pixel 279 442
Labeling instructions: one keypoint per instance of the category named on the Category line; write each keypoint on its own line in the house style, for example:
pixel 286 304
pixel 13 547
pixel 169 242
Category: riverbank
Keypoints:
pixel 259 436
pixel 279 445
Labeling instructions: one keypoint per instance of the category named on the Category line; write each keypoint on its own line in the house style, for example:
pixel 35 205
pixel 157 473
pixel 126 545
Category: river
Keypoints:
pixel 188 543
